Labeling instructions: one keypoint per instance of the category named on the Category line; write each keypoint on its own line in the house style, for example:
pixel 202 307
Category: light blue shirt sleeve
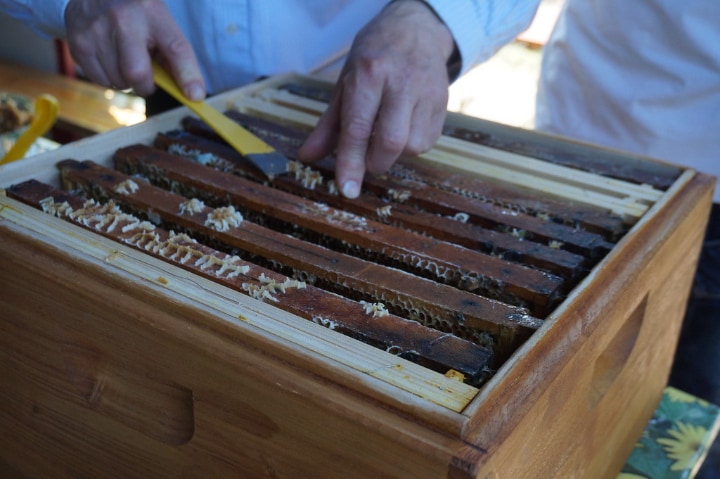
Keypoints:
pixel 481 27
pixel 46 17
pixel 239 40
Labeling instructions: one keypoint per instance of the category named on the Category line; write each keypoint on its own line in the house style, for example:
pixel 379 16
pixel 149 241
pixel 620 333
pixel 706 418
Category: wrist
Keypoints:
pixel 446 40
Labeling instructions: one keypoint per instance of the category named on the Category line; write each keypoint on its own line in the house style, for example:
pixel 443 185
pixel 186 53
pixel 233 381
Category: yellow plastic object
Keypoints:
pixel 44 116
pixel 262 155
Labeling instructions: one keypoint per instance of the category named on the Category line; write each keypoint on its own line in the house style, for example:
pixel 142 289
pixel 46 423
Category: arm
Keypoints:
pixel 481 27
pixel 114 42
pixel 46 17
pixel 391 96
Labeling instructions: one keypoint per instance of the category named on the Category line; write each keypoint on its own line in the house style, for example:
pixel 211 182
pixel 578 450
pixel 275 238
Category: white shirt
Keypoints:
pixel 238 41
pixel 637 75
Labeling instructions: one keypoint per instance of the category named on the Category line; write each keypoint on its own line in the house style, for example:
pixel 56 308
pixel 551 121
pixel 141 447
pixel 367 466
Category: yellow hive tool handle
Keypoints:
pixel 44 116
pixel 239 138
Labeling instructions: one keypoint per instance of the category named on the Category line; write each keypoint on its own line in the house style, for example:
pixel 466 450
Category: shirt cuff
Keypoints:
pixel 46 17
pixel 481 27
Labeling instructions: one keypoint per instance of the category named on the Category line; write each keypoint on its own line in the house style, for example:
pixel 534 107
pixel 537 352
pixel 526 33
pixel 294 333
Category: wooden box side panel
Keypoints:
pixel 585 422
pixel 104 379
pixel 424 394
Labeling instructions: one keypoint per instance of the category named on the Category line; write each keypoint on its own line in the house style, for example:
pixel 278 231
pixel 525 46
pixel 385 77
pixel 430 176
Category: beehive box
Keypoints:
pixel 119 364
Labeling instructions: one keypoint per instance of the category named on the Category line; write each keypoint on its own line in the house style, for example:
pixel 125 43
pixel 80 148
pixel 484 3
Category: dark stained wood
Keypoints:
pixel 106 369
pixel 594 161
pixel 511 248
pixel 408 339
pixel 419 254
pixel 448 309
pixel 583 230
pixel 524 142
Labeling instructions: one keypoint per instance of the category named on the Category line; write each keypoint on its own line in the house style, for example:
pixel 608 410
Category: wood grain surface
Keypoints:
pixel 116 364
pixel 84 105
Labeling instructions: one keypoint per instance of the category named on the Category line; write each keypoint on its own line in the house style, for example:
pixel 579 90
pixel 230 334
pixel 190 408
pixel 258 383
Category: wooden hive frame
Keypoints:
pixel 116 364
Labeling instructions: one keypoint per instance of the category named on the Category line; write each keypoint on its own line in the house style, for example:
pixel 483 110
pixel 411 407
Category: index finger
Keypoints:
pixel 180 59
pixel 359 108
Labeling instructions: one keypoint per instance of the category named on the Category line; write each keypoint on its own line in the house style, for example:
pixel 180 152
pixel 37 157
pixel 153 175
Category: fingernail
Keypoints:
pixel 195 92
pixel 351 189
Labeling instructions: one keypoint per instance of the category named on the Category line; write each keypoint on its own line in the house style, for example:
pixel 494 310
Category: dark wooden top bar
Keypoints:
pixel 505 246
pixel 410 251
pixel 408 339
pixel 468 315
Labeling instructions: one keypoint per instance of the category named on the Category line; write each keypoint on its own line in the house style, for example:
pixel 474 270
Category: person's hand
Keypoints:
pixel 114 42
pixel 391 96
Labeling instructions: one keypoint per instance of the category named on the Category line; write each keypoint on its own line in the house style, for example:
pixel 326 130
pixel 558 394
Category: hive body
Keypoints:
pixel 506 305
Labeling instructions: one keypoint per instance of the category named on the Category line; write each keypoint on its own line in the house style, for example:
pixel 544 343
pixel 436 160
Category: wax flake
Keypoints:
pixel 126 187
pixel 384 211
pixel 309 177
pixel 328 323
pixel 376 310
pixel 399 195
pixel 461 217
pixel 269 287
pixel 222 219
pixel 49 206
pixel 180 248
pixel 191 207
pixel 203 158
pixel 555 244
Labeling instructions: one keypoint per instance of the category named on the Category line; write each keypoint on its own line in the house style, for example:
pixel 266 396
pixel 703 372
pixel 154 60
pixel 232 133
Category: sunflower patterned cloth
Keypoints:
pixel 676 440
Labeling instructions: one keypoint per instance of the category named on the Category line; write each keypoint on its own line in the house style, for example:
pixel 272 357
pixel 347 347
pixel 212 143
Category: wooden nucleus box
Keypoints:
pixel 506 305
